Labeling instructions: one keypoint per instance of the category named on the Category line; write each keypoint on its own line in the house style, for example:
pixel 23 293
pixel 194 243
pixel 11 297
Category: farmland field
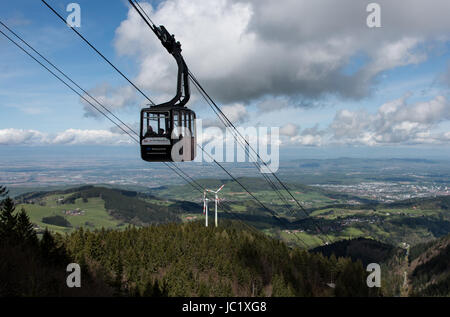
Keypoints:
pixel 95 214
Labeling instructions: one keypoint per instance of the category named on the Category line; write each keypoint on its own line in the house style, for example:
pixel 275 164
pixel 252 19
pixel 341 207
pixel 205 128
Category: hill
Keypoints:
pixel 429 269
pixel 365 250
pixel 439 202
pixel 165 260
pixel 113 207
pixel 166 257
pixel 96 207
pixel 411 221
pixel 192 260
pixel 128 206
pixel 310 196
pixel 420 203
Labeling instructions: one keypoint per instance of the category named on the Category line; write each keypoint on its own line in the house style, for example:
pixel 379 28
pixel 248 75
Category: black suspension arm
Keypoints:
pixel 174 48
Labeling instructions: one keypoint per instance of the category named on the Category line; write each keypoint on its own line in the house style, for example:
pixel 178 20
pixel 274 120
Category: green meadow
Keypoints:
pixel 95 214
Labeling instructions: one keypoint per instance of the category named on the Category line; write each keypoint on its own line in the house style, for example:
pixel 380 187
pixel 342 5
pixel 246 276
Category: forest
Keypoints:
pixel 177 259
pixel 166 260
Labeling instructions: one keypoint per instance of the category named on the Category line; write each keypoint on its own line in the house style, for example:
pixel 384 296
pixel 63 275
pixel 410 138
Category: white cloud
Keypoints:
pixel 394 54
pixel 236 113
pixel 395 122
pixel 310 137
pixel 97 137
pixel 67 137
pixel 308 140
pixel 110 97
pixel 242 50
pixel 289 129
pixel 20 136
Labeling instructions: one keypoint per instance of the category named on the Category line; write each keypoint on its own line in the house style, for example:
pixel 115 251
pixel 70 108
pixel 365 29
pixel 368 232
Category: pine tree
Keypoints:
pixel 351 282
pixel 117 284
pixel 25 230
pixel 8 220
pixel 47 242
pixel 48 247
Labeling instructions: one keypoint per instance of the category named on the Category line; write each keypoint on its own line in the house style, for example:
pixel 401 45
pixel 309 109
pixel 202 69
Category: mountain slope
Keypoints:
pixel 429 272
pixel 365 250
pixel 192 260
pixel 97 207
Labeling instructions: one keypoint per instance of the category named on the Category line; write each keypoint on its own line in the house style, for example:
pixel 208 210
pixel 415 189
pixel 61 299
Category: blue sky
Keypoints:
pixel 33 98
pixel 334 77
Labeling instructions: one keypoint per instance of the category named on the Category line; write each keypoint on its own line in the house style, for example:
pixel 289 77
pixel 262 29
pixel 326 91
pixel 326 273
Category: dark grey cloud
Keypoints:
pixel 245 50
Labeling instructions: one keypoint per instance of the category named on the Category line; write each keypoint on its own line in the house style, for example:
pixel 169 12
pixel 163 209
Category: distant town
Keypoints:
pixel 389 191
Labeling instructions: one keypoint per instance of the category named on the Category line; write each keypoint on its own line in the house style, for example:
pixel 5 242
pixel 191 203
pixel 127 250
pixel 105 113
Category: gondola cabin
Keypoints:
pixel 168 134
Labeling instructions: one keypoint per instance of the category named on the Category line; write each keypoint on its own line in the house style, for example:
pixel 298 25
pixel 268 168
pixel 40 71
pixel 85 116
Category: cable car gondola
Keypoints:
pixel 167 131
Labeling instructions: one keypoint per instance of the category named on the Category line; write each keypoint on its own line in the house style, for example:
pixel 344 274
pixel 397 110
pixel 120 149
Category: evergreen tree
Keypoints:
pixel 8 220
pixel 51 252
pixel 117 284
pixel 25 230
pixel 352 281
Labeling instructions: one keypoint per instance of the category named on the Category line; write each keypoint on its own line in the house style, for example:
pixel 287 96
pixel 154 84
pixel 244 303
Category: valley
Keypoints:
pixel 328 215
pixel 367 218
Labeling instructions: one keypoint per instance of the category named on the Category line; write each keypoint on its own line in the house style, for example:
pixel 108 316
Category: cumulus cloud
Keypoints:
pixel 67 137
pixel 289 129
pixel 236 113
pixel 242 50
pixel 96 137
pixel 308 140
pixel 19 136
pixel 395 122
pixel 110 97
pixel 309 137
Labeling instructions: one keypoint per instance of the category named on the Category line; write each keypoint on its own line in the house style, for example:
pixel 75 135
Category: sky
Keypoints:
pixel 312 68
